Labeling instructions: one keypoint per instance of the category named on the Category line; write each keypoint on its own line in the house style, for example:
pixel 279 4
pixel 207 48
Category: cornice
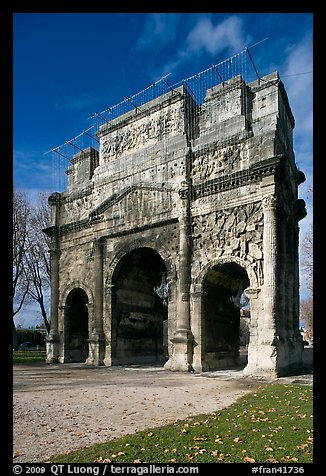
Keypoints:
pixel 243 177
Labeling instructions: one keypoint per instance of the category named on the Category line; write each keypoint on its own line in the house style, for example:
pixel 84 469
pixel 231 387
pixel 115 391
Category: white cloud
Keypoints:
pixel 32 170
pixel 298 80
pixel 299 88
pixel 210 39
pixel 30 314
pixel 159 30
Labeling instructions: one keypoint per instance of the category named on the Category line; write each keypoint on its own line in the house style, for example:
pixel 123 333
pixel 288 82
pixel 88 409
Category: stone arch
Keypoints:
pixel 151 243
pixel 76 325
pixel 217 312
pixel 198 280
pixel 139 316
pixel 73 285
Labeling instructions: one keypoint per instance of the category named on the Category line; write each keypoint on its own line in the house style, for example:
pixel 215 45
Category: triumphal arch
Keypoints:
pixel 185 214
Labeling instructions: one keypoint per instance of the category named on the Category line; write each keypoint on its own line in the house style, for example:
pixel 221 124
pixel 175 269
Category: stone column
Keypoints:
pixel 96 340
pixel 181 359
pixel 107 323
pixel 299 212
pixel 63 328
pixel 52 339
pixel 255 311
pixel 297 348
pixel 198 329
pixel 267 339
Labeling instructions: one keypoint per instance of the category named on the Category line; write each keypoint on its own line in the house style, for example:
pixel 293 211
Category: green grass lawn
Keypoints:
pixel 272 425
pixel 28 356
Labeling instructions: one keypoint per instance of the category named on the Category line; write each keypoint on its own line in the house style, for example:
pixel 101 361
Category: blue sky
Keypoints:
pixel 67 66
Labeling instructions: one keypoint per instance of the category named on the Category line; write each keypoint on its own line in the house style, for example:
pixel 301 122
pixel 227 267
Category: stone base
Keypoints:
pixel 181 359
pixel 201 366
pixel 281 358
pixel 290 357
pixel 95 351
pixel 52 346
pixel 259 372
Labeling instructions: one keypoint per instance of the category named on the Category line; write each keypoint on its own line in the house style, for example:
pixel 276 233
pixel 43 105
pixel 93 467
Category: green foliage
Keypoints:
pixel 270 426
pixel 30 335
pixel 28 356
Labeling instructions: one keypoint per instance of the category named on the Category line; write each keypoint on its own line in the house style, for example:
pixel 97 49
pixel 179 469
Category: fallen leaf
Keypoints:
pixel 249 460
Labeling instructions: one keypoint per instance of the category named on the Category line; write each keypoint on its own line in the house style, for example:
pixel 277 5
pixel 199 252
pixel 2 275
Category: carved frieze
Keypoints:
pixel 142 132
pixel 215 162
pixel 236 231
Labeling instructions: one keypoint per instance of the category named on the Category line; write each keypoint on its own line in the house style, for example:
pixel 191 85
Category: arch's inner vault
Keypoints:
pixel 138 313
pixel 187 213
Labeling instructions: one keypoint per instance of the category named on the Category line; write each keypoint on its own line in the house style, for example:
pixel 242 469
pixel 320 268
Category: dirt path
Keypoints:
pixel 65 407
pixel 57 408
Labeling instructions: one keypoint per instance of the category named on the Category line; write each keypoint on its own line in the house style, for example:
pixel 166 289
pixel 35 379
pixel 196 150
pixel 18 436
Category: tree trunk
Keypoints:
pixel 15 337
pixel 44 315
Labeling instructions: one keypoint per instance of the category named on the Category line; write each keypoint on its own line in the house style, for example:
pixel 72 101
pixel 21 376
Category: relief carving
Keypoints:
pixel 215 162
pixel 235 231
pixel 141 132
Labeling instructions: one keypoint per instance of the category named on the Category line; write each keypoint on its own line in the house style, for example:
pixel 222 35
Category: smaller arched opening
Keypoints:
pixel 76 326
pixel 223 298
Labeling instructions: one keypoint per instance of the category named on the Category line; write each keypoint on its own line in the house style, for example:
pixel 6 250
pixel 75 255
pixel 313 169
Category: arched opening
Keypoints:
pixel 76 326
pixel 223 298
pixel 139 311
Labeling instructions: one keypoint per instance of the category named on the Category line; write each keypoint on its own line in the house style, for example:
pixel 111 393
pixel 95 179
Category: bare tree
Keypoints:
pixel 37 260
pixel 20 282
pixel 306 307
pixel 21 213
pixel 306 314
pixel 307 257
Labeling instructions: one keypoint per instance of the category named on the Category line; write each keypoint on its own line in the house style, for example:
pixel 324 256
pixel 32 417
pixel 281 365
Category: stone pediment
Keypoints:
pixel 141 199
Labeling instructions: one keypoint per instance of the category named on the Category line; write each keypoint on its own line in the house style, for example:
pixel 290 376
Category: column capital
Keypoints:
pixel 64 307
pixel 269 202
pixel 54 199
pixel 252 293
pixel 197 295
pixel 184 190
